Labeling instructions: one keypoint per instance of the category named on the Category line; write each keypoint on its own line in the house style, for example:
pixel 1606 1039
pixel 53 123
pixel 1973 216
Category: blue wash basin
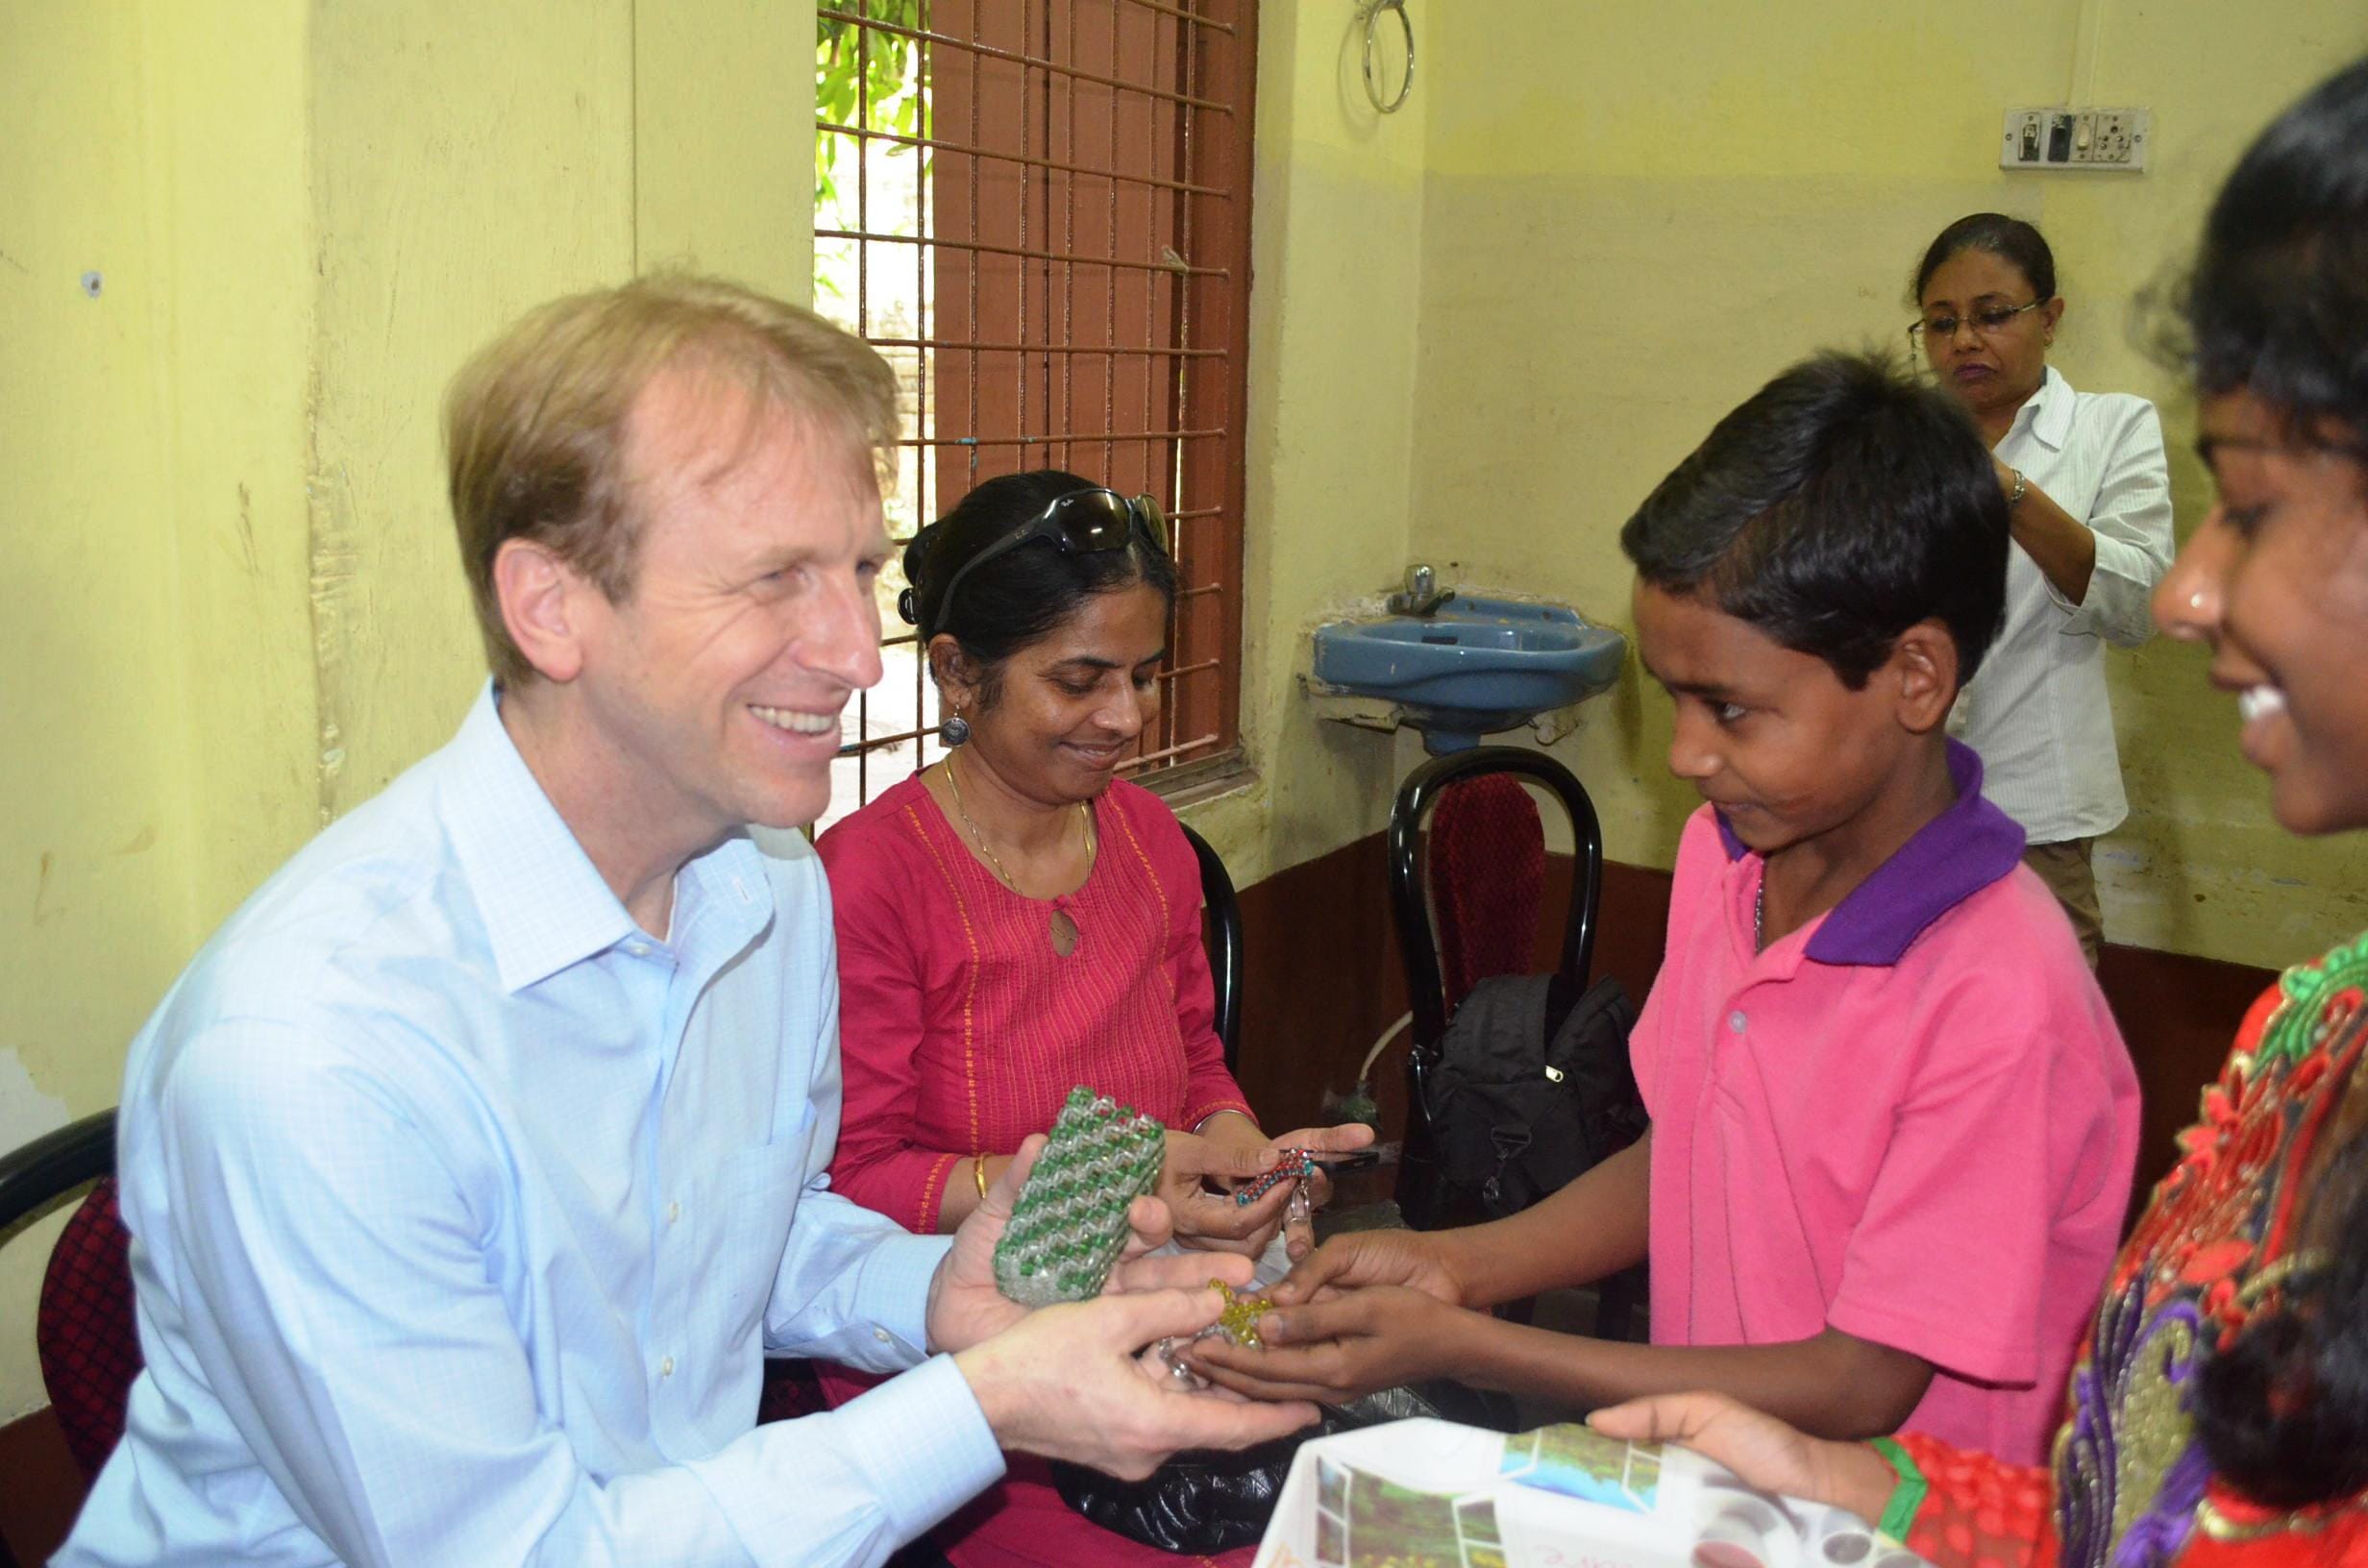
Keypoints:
pixel 1476 666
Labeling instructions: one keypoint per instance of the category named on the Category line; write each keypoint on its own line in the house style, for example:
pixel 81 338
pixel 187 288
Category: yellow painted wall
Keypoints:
pixel 232 608
pixel 1337 222
pixel 1635 215
pixel 151 612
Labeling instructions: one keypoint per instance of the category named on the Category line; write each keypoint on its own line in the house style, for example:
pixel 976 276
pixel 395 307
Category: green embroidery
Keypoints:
pixel 2293 1033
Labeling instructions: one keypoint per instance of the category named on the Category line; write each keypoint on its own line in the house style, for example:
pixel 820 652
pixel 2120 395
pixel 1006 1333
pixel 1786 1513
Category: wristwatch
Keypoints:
pixel 2022 487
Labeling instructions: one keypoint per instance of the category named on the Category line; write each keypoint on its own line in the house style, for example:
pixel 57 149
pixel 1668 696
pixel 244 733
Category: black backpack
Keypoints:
pixel 1530 1089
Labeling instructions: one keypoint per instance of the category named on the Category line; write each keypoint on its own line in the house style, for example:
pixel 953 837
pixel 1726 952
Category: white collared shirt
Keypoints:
pixel 2037 712
pixel 464 1212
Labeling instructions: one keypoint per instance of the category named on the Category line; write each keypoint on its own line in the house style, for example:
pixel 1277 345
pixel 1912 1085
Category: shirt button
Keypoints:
pixel 640 949
pixel 666 1367
pixel 674 1212
pixel 882 1335
pixel 1736 1021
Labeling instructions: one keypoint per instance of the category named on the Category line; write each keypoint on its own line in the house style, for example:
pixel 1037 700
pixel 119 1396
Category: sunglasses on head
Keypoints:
pixel 1080 523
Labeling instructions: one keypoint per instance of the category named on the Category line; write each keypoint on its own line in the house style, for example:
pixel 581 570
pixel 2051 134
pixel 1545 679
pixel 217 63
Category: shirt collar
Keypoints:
pixel 2050 410
pixel 1951 858
pixel 542 900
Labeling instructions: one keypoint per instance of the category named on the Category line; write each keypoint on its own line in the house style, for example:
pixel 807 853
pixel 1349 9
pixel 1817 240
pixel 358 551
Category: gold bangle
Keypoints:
pixel 979 1174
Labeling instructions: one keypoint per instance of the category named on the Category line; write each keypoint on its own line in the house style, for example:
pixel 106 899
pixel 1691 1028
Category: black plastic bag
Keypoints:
pixel 1215 1500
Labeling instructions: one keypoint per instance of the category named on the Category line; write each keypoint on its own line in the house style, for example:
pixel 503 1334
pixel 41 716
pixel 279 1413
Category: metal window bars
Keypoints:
pixel 1046 230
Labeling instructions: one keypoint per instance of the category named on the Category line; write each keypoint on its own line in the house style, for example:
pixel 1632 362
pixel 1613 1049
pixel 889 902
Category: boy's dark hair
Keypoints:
pixel 1841 504
pixel 2009 239
pixel 1021 596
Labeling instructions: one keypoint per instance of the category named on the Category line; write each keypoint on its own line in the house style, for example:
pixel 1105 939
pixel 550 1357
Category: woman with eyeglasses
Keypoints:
pixel 1016 919
pixel 2218 1414
pixel 2088 499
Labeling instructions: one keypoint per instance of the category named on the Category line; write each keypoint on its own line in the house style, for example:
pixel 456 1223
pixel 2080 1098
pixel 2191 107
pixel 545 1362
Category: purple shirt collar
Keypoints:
pixel 1951 858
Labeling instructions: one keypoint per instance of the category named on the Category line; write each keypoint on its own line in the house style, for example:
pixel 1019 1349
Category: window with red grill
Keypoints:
pixel 1039 211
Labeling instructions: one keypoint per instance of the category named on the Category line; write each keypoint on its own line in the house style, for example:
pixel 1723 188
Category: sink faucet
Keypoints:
pixel 1422 595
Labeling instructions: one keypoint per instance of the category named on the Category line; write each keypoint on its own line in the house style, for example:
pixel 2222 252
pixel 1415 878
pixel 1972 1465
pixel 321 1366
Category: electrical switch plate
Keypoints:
pixel 2091 139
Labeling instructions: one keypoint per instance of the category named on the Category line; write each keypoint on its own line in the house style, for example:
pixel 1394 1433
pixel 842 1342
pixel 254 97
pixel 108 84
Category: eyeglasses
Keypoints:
pixel 1080 523
pixel 1988 321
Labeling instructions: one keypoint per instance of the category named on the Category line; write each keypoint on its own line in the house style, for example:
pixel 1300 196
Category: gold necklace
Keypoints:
pixel 1063 927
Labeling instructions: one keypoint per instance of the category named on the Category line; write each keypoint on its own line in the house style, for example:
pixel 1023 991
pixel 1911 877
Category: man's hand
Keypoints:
pixel 1065 1382
pixel 965 1305
pixel 1336 1350
pixel 1761 1449
pixel 1364 1259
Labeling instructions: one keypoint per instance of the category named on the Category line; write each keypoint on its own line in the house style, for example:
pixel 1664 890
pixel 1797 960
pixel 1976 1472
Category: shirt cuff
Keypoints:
pixel 923 1439
pixel 856 1484
pixel 892 1290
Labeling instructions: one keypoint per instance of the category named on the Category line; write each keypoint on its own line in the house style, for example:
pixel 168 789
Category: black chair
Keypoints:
pixel 1414 891
pixel 1410 895
pixel 32 1179
pixel 1223 931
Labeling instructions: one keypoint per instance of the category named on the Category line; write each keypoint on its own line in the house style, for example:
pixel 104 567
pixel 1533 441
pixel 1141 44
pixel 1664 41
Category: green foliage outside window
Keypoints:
pixel 856 66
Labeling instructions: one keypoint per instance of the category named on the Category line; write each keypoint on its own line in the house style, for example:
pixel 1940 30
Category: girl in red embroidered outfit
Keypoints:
pixel 1015 920
pixel 2219 1412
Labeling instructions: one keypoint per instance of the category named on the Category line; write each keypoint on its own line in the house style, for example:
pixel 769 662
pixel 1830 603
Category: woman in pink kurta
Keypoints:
pixel 962 1030
pixel 1015 922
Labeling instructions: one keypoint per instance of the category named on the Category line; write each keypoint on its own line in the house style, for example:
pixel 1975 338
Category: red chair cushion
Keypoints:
pixel 88 1345
pixel 1487 880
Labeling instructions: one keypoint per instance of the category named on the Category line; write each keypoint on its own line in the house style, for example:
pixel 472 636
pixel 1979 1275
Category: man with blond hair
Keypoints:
pixel 475 1162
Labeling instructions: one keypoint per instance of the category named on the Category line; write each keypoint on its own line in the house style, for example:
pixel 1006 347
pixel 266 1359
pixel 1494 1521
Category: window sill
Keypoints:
pixel 1226 774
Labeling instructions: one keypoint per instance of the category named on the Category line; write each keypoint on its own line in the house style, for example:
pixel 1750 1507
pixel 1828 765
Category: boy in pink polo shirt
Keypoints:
pixel 1892 1121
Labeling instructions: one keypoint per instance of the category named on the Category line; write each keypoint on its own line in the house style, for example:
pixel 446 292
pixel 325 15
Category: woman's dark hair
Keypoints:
pixel 2009 239
pixel 2278 301
pixel 1839 506
pixel 1022 595
pixel 2278 306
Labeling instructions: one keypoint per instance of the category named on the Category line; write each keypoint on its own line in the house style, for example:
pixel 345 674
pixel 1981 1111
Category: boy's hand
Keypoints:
pixel 1761 1449
pixel 1365 1258
pixel 1334 1351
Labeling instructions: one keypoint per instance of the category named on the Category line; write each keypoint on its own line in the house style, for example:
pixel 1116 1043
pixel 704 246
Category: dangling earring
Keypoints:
pixel 954 729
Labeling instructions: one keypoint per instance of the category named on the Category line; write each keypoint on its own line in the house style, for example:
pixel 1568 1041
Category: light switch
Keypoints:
pixel 2068 138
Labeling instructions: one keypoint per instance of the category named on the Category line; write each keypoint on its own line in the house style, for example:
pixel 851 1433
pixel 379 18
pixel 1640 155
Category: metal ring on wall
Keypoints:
pixel 1372 23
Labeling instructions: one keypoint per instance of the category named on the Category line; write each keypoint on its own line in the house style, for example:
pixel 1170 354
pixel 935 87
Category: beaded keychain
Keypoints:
pixel 1295 1164
pixel 1237 1323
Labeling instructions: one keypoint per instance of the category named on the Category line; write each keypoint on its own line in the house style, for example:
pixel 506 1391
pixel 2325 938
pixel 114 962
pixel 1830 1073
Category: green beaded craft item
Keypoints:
pixel 1069 1225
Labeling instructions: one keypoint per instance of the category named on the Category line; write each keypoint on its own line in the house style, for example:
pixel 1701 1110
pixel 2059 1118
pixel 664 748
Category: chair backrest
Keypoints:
pixel 1222 930
pixel 85 1331
pixel 1486 880
pixel 1485 875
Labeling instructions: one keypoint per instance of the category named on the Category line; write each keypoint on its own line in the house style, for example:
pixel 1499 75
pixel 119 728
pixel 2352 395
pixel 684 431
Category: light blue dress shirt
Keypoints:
pixel 463 1211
